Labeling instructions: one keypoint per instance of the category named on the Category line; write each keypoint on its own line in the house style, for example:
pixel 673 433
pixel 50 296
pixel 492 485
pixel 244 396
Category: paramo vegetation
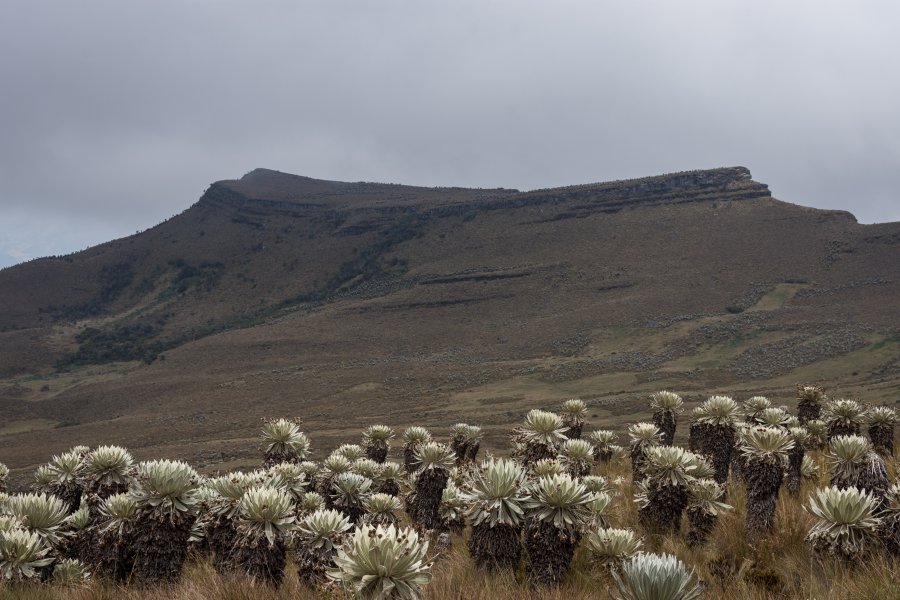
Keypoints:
pixel 762 503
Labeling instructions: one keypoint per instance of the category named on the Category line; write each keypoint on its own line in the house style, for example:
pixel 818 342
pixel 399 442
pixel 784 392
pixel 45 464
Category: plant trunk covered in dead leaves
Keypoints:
pixel 549 552
pixel 221 536
pixel 497 547
pixel 702 523
pixel 261 561
pixel 795 462
pixel 313 565
pixel 665 421
pixel 663 512
pixel 377 450
pixel 429 487
pixel 638 460
pixel 763 482
pixel 808 410
pixel 107 554
pixel 160 548
pixel 882 437
pixel 716 442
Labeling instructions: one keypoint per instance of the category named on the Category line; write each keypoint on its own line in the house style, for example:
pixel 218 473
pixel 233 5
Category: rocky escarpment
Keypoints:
pixel 713 185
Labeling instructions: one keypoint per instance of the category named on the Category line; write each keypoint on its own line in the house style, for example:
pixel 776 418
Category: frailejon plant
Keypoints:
pixel 67 483
pixel 70 572
pixel 165 492
pixel 43 480
pixel 496 496
pixel 557 510
pixel 284 442
pixel 642 436
pixel 42 514
pixel 853 463
pixel 818 434
pixel 112 553
pixel 316 540
pixel 843 417
pixel 383 562
pixel 881 421
pixel 847 526
pixel 703 509
pixel 647 576
pixel 352 452
pixel 540 437
pixel 435 461
pixel 310 470
pixel 389 478
pixel 452 510
pixel 107 471
pixel 775 417
pixel 377 442
pixel 465 442
pixel 291 478
pixel 23 554
pixel 810 399
pixel 610 547
pixel 266 519
pixel 381 510
pixel 458 440
pixel 573 413
pixel 349 492
pixel 669 472
pixel 753 407
pixel 578 457
pixel 333 466
pixel 224 507
pixel 666 406
pixel 369 469
pixel 598 509
pixel 765 449
pixel 713 433
pixel 413 438
pixel 310 503
pixel 603 441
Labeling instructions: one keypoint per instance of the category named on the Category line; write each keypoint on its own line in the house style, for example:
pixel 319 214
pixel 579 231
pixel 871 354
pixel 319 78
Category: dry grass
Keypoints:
pixel 778 567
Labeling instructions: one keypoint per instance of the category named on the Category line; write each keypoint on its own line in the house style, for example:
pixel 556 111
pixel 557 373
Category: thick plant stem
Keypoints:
pixel 795 462
pixel 496 548
pixel 549 552
pixel 763 482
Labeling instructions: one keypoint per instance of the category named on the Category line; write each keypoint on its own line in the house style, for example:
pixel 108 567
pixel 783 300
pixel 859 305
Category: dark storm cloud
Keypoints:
pixel 116 115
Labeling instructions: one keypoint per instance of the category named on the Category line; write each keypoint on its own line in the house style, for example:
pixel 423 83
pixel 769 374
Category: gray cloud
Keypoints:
pixel 117 115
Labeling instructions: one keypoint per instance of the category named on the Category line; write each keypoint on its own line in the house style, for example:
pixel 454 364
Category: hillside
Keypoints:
pixel 341 302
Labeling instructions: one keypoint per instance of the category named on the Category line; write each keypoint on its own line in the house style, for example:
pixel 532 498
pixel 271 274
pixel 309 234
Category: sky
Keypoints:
pixel 117 115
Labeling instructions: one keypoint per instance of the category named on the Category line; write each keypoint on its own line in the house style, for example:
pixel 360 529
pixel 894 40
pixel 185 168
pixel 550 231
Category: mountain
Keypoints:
pixel 348 303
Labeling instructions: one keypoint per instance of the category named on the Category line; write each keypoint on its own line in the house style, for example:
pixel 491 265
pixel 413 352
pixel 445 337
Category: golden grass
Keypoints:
pixel 777 567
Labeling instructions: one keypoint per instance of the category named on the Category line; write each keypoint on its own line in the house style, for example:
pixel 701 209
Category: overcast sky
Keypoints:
pixel 115 115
